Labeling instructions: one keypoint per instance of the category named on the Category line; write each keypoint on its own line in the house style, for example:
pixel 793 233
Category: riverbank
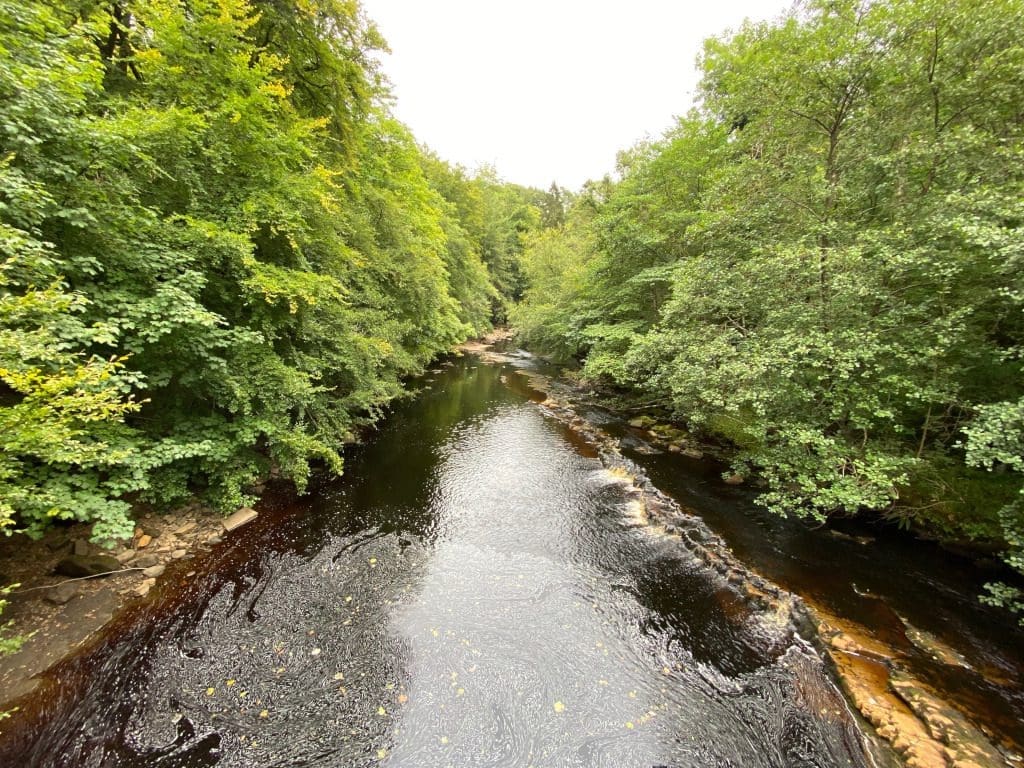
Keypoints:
pixel 69 588
pixel 921 723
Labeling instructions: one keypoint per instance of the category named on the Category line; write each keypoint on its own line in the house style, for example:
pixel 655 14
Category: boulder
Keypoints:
pixel 81 547
pixel 56 541
pixel 143 541
pixel 143 589
pixel 238 519
pixel 61 593
pixel 87 565
pixel 153 571
pixel 145 561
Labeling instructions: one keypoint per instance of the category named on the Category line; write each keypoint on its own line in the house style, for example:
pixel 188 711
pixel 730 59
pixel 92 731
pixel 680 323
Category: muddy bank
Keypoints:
pixel 70 588
pixel 925 729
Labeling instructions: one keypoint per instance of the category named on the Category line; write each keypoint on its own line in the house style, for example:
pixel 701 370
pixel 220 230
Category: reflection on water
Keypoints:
pixel 472 593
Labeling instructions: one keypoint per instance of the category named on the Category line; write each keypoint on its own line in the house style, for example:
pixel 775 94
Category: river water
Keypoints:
pixel 476 591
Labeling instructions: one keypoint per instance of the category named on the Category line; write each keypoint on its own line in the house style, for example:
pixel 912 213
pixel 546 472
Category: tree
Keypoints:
pixel 821 263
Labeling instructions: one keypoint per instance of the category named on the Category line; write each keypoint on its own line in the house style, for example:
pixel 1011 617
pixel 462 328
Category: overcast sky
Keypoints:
pixel 547 90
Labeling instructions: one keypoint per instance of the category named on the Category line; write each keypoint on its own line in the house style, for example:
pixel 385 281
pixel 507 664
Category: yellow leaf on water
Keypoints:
pixel 630 726
pixel 210 691
pixel 230 683
pixel 381 711
pixel 559 706
pixel 381 754
pixel 444 739
pixel 339 676
pixel 264 714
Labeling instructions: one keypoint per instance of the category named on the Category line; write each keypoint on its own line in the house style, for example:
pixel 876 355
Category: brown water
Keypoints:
pixel 474 592
pixel 883 579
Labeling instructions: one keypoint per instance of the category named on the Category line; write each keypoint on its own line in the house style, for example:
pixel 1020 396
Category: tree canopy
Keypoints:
pixel 221 251
pixel 822 263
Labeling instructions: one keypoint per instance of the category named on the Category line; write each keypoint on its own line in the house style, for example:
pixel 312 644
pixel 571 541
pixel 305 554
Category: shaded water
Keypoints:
pixel 474 592
pixel 885 580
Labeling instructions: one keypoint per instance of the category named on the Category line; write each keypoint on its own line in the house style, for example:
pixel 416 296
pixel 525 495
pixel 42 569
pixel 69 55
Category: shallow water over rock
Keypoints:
pixel 476 591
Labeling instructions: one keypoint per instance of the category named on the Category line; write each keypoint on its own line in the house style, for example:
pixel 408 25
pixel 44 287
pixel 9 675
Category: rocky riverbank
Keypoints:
pixel 70 588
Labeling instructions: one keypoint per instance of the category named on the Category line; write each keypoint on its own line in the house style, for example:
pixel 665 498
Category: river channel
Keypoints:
pixel 475 591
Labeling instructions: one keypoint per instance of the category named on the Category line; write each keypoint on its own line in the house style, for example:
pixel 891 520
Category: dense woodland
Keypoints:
pixel 221 253
pixel 822 264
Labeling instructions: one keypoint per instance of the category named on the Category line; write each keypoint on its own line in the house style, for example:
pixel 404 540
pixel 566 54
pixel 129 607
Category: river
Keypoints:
pixel 477 590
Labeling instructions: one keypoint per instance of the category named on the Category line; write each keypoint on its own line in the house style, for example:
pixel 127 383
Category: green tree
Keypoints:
pixel 822 262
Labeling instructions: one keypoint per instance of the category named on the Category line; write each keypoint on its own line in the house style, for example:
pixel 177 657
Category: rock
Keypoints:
pixel 674 448
pixel 143 541
pixel 56 541
pixel 167 542
pixel 185 527
pixel 214 539
pixel 125 556
pixel 60 594
pixel 735 480
pixel 693 453
pixel 153 571
pixel 81 547
pixel 143 589
pixel 179 553
pixel 238 519
pixel 87 565
pixel 146 561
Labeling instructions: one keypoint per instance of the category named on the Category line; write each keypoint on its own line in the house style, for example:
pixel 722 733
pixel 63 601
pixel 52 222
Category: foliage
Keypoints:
pixel 825 256
pixel 995 440
pixel 8 644
pixel 220 251
pixel 496 218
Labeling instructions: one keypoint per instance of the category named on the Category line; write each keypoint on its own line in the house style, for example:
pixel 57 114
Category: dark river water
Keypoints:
pixel 476 591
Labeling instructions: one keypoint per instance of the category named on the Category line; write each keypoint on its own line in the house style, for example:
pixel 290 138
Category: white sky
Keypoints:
pixel 547 90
